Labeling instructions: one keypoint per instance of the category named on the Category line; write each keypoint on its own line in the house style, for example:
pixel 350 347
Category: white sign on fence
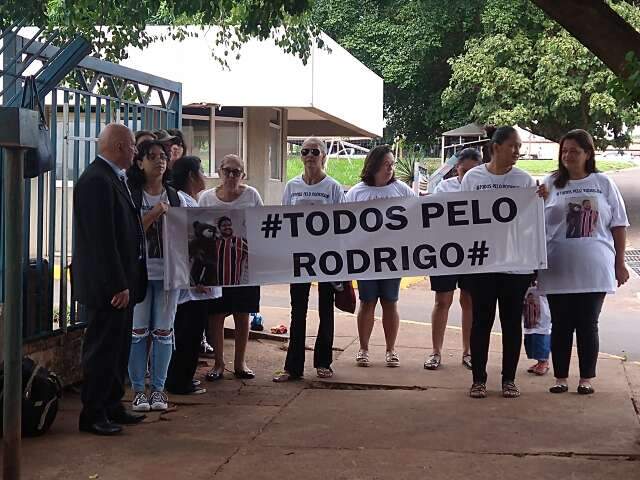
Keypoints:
pixel 443 234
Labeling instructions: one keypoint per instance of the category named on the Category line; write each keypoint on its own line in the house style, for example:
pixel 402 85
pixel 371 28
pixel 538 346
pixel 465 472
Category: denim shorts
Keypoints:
pixel 387 290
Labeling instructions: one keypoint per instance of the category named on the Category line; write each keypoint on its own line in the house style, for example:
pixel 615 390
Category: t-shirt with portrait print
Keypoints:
pixel 153 235
pixel 580 249
pixel 326 192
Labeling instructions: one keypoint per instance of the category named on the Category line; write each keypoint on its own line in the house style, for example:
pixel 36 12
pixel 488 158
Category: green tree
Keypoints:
pixel 525 69
pixel 113 25
pixel 408 43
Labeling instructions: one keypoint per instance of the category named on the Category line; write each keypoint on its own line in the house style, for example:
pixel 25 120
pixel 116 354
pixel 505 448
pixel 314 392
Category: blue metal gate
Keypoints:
pixel 94 94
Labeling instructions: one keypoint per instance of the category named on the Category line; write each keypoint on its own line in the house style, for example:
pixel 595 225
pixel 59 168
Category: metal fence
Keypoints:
pixel 94 94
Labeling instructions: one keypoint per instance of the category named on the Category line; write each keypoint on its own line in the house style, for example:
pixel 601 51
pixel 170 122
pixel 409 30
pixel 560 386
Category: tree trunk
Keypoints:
pixel 598 27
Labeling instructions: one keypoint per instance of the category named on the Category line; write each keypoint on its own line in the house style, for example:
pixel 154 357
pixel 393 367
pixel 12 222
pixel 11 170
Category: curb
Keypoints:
pixel 253 335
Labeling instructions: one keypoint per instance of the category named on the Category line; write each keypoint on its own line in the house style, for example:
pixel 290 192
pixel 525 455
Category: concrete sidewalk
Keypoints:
pixel 365 423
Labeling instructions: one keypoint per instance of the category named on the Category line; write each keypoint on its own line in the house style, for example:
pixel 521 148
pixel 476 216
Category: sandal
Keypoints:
pixel 281 377
pixel 214 375
pixel 466 361
pixel 540 369
pixel 433 361
pixel 510 390
pixel 478 390
pixel 324 372
pixel 559 388
pixel 244 374
pixel 362 358
pixel 391 359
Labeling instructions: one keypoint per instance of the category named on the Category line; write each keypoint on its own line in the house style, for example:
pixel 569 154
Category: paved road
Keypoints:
pixel 619 321
pixel 628 182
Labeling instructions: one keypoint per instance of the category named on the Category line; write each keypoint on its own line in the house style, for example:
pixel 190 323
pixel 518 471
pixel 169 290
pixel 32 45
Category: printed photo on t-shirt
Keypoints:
pixel 582 217
pixel 153 235
pixel 218 248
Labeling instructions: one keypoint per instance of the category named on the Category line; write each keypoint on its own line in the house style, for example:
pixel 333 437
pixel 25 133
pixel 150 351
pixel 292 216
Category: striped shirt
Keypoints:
pixel 232 253
pixel 588 220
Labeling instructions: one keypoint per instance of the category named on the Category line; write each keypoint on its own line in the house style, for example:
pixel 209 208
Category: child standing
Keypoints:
pixel 537 330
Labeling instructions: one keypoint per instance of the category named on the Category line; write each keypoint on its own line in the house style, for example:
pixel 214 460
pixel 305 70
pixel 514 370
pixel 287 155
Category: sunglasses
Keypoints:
pixel 232 172
pixel 313 151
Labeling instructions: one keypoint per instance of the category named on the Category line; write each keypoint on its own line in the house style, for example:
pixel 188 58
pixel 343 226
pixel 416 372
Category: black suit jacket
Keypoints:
pixel 108 254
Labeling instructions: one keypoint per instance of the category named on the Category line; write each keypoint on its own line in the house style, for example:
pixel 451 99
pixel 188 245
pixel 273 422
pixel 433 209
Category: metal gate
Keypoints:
pixel 94 94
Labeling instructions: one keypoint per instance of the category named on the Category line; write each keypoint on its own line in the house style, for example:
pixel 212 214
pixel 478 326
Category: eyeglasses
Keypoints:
pixel 313 151
pixel 157 158
pixel 232 172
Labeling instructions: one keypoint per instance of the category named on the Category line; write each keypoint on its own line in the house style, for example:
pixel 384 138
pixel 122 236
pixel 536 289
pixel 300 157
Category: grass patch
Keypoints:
pixel 347 172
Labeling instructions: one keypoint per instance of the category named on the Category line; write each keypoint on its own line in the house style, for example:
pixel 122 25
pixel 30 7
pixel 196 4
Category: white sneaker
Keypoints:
pixel 362 358
pixel 140 403
pixel 392 359
pixel 159 400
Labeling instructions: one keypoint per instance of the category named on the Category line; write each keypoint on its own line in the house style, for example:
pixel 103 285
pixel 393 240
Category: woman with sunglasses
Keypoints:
pixel 155 316
pixel 313 187
pixel 231 194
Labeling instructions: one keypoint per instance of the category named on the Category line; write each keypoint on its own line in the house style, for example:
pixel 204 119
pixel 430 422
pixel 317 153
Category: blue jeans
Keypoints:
pixel 156 313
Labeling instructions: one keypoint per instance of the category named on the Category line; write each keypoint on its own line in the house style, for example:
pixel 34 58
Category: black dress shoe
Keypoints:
pixel 125 418
pixel 585 390
pixel 559 388
pixel 100 427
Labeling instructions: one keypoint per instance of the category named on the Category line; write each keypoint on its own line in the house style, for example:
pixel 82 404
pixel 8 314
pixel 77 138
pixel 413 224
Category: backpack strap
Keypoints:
pixel 172 196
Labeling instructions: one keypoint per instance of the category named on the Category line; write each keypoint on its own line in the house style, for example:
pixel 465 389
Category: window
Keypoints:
pixel 229 139
pixel 197 136
pixel 214 133
pixel 275 144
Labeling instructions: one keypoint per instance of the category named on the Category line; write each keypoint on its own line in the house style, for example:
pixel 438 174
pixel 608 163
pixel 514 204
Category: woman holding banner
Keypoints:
pixel 586 227
pixel 378 181
pixel 191 315
pixel 232 193
pixel 445 285
pixel 313 187
pixel 505 289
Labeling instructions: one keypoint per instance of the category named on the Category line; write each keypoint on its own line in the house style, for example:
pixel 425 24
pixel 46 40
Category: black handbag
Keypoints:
pixel 40 159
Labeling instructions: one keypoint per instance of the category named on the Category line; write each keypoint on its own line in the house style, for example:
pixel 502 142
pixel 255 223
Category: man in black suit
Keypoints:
pixel 109 278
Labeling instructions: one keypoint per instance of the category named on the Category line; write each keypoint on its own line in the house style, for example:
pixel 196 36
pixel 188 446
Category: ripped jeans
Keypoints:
pixel 155 316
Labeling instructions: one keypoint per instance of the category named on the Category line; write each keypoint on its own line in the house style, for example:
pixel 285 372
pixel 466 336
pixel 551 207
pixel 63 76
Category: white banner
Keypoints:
pixel 442 234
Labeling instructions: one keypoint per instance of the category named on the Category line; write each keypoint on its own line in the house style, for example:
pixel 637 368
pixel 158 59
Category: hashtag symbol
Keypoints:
pixel 272 225
pixel 478 253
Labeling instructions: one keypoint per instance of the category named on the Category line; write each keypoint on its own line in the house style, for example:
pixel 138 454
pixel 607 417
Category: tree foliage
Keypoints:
pixel 525 69
pixel 408 43
pixel 121 23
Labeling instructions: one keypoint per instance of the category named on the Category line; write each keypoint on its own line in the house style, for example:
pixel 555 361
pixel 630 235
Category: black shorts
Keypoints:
pixel 448 283
pixel 235 300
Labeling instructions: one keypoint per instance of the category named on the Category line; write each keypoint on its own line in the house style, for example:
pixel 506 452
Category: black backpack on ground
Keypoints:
pixel 41 392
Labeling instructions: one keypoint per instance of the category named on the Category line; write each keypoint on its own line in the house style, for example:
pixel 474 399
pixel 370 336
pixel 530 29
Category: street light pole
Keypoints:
pixel 13 186
pixel 19 132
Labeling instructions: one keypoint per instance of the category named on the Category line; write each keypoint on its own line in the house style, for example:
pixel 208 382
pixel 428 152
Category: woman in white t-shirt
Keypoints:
pixel 504 289
pixel 445 285
pixel 378 181
pixel 586 235
pixel 191 316
pixel 239 301
pixel 154 316
pixel 313 187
